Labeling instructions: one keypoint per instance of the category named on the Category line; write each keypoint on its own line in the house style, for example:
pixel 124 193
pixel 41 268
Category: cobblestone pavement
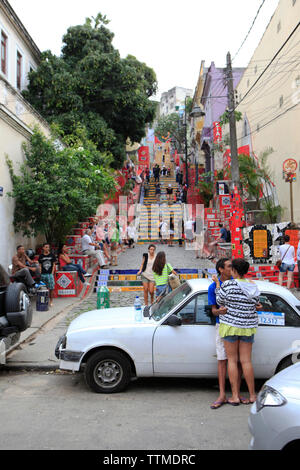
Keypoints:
pixel 177 257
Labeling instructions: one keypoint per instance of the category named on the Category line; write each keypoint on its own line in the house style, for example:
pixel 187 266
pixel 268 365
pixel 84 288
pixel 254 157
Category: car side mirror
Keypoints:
pixel 173 320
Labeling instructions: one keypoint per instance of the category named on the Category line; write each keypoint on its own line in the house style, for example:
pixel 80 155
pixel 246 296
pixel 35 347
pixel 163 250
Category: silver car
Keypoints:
pixel 274 420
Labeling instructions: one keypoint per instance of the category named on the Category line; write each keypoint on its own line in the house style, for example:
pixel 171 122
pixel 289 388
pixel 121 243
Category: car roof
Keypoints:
pixel 264 286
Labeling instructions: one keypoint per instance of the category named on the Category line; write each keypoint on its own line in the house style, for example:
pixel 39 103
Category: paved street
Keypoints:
pixel 57 411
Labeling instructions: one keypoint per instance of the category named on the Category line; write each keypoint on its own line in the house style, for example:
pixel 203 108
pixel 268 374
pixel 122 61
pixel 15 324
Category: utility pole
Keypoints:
pixel 237 211
pixel 235 173
pixel 186 145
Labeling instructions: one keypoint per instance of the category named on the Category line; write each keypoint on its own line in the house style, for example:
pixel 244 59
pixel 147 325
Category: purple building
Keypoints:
pixel 215 101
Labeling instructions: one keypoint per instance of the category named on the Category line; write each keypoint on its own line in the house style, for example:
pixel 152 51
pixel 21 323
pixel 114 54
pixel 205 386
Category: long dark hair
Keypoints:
pixel 159 263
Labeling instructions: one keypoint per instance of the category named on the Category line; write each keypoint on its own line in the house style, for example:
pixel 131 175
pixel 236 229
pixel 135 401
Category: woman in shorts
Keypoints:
pixel 238 326
pixel 147 273
pixel 287 256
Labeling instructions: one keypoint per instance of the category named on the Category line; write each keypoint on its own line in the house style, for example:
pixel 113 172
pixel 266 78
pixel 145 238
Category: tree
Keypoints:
pixel 57 187
pixel 92 85
pixel 171 126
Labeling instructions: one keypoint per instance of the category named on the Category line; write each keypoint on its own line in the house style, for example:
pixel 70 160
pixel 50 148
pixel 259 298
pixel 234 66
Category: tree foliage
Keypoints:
pixel 171 126
pixel 57 186
pixel 91 85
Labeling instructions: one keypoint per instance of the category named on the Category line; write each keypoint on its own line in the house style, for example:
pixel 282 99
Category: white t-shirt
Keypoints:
pixel 289 258
pixel 189 225
pixel 85 243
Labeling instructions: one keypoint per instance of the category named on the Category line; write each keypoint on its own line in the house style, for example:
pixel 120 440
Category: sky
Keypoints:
pixel 171 36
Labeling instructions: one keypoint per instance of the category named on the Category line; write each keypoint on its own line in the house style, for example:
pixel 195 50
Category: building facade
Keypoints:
pixel 268 97
pixel 173 100
pixel 215 101
pixel 19 54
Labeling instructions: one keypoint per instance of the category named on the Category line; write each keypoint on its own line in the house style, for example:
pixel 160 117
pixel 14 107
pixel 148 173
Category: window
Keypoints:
pixel 197 311
pixel 3 53
pixel 187 313
pixel 279 27
pixel 19 70
pixel 273 303
pixel 281 101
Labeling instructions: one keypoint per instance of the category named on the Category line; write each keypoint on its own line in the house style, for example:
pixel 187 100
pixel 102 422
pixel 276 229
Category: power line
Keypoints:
pixel 272 120
pixel 253 23
pixel 270 63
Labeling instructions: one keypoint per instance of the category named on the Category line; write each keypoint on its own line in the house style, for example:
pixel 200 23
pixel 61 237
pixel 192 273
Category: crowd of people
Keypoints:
pixel 102 241
pixel 178 195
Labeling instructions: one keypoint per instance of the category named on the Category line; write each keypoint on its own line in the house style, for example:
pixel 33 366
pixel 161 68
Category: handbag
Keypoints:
pixel 280 261
pixel 173 281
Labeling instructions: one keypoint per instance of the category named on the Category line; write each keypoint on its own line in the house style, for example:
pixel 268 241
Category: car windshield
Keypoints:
pixel 167 303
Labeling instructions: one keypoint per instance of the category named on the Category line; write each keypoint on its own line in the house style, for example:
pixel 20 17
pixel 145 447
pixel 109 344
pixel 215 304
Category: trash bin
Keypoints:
pixel 42 300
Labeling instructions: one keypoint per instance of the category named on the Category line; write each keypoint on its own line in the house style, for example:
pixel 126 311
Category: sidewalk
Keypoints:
pixel 42 321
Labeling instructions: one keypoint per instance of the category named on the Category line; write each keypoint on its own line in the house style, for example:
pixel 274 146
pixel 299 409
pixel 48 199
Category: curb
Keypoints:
pixel 37 366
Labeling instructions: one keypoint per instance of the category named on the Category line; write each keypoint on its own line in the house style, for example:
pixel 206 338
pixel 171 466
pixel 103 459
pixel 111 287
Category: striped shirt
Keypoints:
pixel 241 308
pixel 164 278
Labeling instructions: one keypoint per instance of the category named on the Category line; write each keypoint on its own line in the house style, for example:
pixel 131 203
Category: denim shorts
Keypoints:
pixel 286 267
pixel 244 339
pixel 160 289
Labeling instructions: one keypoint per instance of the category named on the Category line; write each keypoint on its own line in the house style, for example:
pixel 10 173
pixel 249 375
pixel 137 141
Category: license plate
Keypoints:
pixel 271 318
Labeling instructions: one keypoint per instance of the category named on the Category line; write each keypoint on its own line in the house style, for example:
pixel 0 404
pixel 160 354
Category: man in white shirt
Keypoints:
pixel 89 248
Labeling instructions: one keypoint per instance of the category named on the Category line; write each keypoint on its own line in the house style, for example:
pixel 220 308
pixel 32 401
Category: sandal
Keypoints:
pixel 233 403
pixel 245 401
pixel 217 404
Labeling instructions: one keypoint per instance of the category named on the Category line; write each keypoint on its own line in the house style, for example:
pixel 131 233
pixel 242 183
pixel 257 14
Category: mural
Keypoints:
pixel 261 242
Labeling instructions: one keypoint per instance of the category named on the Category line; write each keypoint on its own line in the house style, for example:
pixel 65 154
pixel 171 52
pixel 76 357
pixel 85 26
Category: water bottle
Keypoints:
pixel 138 309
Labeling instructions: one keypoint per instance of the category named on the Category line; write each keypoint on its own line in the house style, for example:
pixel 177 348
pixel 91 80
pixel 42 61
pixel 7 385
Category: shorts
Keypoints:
pixel 48 279
pixel 146 280
pixel 160 289
pixel 220 348
pixel 287 267
pixel 244 339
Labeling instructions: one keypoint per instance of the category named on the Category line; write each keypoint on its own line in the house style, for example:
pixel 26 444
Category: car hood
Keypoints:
pixel 110 318
pixel 287 382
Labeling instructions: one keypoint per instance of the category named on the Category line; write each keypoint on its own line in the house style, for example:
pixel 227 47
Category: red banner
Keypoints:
pixel 144 156
pixel 217 131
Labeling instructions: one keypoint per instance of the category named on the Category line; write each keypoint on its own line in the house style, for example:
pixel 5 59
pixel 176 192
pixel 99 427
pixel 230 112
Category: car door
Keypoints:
pixel 279 328
pixel 189 349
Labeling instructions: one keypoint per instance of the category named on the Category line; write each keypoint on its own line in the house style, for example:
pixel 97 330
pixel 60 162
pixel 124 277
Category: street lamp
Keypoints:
pixel 197 112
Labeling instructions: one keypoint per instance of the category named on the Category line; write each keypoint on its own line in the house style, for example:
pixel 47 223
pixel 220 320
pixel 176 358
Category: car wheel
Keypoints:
pixel 287 362
pixel 16 298
pixel 17 301
pixel 107 371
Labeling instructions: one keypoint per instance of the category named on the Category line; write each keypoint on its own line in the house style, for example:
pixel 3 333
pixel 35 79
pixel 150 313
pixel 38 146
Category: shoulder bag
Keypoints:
pixel 280 261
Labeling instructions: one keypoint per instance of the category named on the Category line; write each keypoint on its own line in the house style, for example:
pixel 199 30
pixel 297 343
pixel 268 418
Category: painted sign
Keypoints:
pixel 260 243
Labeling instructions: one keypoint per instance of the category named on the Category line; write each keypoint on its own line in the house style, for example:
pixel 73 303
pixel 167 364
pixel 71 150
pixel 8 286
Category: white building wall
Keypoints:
pixel 17 120
pixel 275 94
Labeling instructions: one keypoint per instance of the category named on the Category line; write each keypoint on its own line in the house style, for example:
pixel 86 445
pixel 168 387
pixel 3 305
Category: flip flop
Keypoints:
pixel 217 404
pixel 245 401
pixel 233 403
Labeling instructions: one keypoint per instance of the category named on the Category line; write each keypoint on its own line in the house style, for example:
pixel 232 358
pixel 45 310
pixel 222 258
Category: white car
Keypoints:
pixel 274 421
pixel 175 339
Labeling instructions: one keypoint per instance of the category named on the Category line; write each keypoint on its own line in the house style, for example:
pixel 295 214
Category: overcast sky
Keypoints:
pixel 171 36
